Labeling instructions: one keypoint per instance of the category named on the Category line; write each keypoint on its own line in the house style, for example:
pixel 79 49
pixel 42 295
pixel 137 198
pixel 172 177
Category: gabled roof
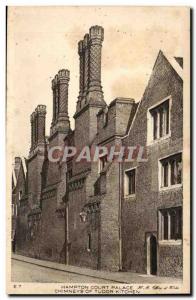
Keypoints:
pixel 172 61
pixel 15 172
pixel 132 115
pixel 177 68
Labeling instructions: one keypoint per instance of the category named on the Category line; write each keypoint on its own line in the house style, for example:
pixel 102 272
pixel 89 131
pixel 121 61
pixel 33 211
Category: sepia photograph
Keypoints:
pixel 98 150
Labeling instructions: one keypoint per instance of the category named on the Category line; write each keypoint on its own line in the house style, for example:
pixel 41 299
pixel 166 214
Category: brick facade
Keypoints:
pixel 148 199
pixel 77 214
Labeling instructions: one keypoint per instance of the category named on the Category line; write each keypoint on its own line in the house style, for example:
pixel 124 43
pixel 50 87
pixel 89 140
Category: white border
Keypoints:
pixel 3 4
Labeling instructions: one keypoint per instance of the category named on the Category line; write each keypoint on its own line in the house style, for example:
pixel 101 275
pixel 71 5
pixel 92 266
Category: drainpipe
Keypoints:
pixel 66 222
pixel 67 233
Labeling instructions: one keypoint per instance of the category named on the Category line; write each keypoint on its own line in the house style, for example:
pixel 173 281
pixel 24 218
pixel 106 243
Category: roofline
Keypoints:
pixel 176 68
pixel 171 60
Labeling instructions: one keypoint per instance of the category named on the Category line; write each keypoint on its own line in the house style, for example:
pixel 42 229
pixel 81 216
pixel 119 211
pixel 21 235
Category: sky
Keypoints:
pixel 43 40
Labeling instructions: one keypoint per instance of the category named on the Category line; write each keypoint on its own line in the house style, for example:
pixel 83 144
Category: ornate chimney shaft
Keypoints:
pixel 38 126
pixel 86 64
pixel 32 131
pixel 81 68
pixel 54 101
pixel 41 117
pixel 60 85
pixel 96 39
pixel 63 83
pixel 89 51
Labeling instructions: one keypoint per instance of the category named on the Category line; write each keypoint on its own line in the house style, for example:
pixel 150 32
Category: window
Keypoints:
pixel 171 170
pixel 89 242
pixel 130 182
pixel 160 120
pixel 102 162
pixel 13 210
pixel 105 119
pixel 171 223
pixel 20 195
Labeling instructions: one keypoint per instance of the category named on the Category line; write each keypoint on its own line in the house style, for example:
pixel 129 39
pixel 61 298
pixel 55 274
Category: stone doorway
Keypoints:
pixel 151 254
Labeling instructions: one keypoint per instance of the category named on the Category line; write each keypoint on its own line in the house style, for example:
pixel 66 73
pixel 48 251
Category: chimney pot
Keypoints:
pixel 97 32
pixel 41 109
pixel 64 74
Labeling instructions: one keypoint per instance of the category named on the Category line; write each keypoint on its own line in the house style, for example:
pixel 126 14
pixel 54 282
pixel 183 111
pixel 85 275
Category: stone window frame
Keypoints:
pixel 126 195
pixel 100 168
pixel 160 174
pixel 169 240
pixel 150 139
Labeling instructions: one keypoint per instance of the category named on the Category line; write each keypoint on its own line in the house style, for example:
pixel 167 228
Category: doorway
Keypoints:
pixel 151 254
pixel 14 245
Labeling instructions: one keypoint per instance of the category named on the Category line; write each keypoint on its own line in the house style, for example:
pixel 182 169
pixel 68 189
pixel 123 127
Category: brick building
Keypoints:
pixel 106 214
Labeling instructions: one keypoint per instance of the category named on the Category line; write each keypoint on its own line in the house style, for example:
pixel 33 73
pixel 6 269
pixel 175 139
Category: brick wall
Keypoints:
pixel 110 246
pixel 34 168
pixel 52 244
pixel 118 115
pixel 139 213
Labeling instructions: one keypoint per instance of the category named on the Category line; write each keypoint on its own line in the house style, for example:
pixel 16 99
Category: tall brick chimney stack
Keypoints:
pixel 32 118
pixel 54 101
pixel 89 50
pixel 86 64
pixel 41 117
pixel 96 36
pixel 38 127
pixel 81 78
pixel 60 84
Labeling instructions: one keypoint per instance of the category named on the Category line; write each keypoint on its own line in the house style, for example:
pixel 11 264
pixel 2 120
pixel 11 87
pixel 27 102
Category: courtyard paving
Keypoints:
pixel 26 269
